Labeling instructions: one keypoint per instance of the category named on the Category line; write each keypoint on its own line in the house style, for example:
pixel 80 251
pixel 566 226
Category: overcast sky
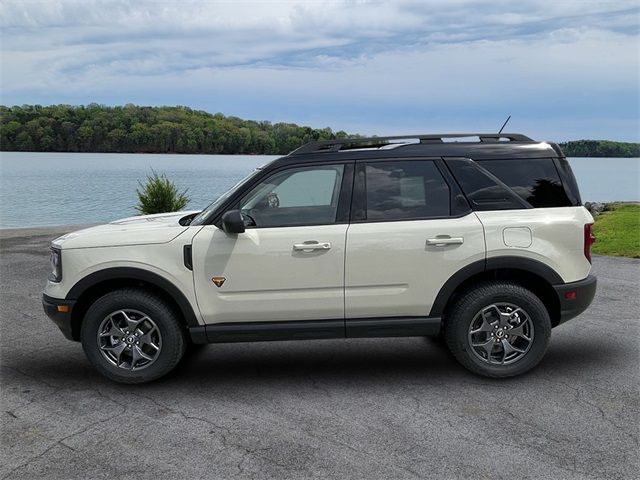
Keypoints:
pixel 562 69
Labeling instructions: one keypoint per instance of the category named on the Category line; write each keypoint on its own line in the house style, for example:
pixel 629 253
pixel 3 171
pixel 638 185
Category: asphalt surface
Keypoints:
pixel 378 408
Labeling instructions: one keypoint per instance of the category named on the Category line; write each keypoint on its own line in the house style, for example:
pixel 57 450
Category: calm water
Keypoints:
pixel 38 189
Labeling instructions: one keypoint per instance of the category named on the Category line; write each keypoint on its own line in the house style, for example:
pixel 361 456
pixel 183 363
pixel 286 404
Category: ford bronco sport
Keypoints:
pixel 484 242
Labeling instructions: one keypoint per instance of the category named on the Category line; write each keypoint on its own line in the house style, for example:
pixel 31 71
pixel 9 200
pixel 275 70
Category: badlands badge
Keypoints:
pixel 218 281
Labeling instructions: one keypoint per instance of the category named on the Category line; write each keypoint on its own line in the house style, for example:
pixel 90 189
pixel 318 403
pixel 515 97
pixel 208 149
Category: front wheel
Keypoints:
pixel 498 329
pixel 132 336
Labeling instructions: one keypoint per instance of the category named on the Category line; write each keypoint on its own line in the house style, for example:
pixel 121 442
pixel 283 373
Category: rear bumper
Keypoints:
pixel 61 318
pixel 575 297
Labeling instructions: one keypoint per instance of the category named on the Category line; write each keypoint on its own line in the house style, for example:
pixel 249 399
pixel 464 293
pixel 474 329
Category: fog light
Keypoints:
pixel 570 295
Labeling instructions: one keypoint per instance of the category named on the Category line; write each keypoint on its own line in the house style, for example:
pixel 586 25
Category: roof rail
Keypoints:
pixel 332 146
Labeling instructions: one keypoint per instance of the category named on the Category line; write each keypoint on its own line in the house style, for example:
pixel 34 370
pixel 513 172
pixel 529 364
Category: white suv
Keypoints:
pixel 483 242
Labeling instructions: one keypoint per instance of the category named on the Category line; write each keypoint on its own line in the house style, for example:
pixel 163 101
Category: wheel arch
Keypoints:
pixel 93 286
pixel 531 274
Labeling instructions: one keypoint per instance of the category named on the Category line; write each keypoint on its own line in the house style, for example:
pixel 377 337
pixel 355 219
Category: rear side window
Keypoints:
pixel 534 180
pixel 407 190
pixel 484 191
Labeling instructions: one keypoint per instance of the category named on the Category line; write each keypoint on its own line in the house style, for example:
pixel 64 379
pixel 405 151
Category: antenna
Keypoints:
pixel 504 124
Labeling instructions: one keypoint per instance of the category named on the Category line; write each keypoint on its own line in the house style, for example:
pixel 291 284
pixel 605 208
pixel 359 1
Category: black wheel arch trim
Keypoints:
pixel 488 264
pixel 132 273
pixel 524 263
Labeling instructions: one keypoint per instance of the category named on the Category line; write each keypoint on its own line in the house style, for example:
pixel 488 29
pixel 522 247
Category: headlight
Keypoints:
pixel 56 265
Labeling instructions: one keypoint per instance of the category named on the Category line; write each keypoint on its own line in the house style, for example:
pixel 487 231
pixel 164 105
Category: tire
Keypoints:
pixel 487 316
pixel 132 328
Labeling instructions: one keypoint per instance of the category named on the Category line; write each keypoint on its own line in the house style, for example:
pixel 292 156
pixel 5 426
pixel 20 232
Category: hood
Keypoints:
pixel 140 230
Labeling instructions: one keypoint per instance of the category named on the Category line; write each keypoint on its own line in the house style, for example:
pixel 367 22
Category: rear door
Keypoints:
pixel 410 232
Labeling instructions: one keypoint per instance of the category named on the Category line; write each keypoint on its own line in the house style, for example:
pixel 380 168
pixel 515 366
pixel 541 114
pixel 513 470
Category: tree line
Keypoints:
pixel 600 148
pixel 136 129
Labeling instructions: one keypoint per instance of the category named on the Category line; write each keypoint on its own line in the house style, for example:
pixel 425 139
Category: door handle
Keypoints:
pixel 444 241
pixel 311 246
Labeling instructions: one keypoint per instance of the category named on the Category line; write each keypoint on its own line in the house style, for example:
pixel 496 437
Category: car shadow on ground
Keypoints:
pixel 274 364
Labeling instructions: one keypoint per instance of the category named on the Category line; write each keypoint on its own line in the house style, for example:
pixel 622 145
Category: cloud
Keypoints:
pixel 336 62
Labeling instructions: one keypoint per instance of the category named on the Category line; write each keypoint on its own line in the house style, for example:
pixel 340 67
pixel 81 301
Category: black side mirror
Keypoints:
pixel 232 222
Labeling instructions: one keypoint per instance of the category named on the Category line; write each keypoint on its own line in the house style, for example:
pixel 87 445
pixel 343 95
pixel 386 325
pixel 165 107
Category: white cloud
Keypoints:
pixel 430 56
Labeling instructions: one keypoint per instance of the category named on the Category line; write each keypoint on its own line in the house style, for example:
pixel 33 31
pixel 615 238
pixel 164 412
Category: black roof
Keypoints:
pixel 488 146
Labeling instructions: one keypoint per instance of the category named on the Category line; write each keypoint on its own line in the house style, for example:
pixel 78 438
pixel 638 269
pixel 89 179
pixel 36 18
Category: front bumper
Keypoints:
pixel 59 311
pixel 575 297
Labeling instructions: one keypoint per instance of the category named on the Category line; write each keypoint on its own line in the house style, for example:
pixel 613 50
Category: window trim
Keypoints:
pixel 344 195
pixel 360 190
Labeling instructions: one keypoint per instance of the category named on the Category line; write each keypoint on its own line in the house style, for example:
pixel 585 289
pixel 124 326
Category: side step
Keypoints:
pixel 315 329
pixel 392 327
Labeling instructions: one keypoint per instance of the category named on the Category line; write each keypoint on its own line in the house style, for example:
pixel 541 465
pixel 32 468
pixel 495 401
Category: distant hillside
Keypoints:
pixel 134 129
pixel 600 148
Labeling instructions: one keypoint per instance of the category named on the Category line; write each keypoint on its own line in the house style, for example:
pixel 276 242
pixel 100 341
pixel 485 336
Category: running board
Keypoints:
pixel 315 329
pixel 392 327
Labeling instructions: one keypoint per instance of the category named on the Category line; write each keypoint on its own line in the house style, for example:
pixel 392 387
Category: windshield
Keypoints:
pixel 203 215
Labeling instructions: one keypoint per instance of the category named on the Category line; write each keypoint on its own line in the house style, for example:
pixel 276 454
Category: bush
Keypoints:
pixel 160 195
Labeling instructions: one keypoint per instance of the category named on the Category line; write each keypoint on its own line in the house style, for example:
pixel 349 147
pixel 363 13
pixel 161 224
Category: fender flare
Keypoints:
pixel 131 273
pixel 495 263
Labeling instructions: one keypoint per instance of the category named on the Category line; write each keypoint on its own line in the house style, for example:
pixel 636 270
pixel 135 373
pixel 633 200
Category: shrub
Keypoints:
pixel 160 195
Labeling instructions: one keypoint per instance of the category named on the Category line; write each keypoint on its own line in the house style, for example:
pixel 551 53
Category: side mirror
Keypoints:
pixel 232 222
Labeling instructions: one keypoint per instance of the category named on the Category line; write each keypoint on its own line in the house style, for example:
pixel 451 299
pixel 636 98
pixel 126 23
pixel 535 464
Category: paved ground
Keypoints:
pixel 399 408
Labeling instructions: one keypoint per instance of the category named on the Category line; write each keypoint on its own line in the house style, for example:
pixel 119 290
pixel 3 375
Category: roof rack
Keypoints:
pixel 332 146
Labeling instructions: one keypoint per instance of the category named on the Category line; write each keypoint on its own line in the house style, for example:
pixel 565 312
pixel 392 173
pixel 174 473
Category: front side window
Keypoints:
pixel 297 196
pixel 202 217
pixel 405 190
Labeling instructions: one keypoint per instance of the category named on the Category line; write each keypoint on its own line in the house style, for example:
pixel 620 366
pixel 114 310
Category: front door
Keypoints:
pixel 289 263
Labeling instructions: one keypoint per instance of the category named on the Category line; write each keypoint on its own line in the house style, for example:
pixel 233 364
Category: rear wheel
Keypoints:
pixel 498 329
pixel 132 336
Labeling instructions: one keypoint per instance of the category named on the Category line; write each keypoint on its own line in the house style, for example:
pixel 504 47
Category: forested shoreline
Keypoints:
pixel 138 129
pixel 135 129
pixel 600 148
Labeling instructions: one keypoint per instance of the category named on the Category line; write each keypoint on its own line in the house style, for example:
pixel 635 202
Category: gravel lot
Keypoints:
pixel 378 408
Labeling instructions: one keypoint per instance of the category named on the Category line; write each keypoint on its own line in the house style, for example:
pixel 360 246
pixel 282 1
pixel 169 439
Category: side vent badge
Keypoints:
pixel 219 281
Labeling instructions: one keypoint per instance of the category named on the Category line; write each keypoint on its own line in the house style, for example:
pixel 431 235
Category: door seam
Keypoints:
pixel 344 281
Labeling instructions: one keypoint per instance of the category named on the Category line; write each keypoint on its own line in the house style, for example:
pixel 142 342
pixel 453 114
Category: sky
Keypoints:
pixel 563 69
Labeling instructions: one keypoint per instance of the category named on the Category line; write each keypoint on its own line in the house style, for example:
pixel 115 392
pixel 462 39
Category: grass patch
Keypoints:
pixel 618 231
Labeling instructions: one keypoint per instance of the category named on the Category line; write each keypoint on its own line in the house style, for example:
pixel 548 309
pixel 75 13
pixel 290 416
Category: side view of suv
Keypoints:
pixel 481 241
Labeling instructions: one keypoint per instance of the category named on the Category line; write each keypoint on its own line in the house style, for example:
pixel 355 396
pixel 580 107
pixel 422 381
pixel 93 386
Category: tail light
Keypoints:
pixel 589 239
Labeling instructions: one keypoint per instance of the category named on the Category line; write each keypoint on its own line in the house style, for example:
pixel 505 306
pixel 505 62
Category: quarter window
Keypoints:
pixel 298 196
pixel 483 191
pixel 534 180
pixel 406 190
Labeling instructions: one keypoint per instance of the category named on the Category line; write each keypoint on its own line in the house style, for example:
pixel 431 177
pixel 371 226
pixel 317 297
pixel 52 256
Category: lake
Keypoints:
pixel 42 189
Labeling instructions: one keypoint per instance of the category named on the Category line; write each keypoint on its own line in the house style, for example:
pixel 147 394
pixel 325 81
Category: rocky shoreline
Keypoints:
pixel 596 208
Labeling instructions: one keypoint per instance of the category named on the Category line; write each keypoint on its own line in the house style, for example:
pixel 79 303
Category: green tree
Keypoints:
pixel 24 142
pixel 84 137
pixel 160 195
